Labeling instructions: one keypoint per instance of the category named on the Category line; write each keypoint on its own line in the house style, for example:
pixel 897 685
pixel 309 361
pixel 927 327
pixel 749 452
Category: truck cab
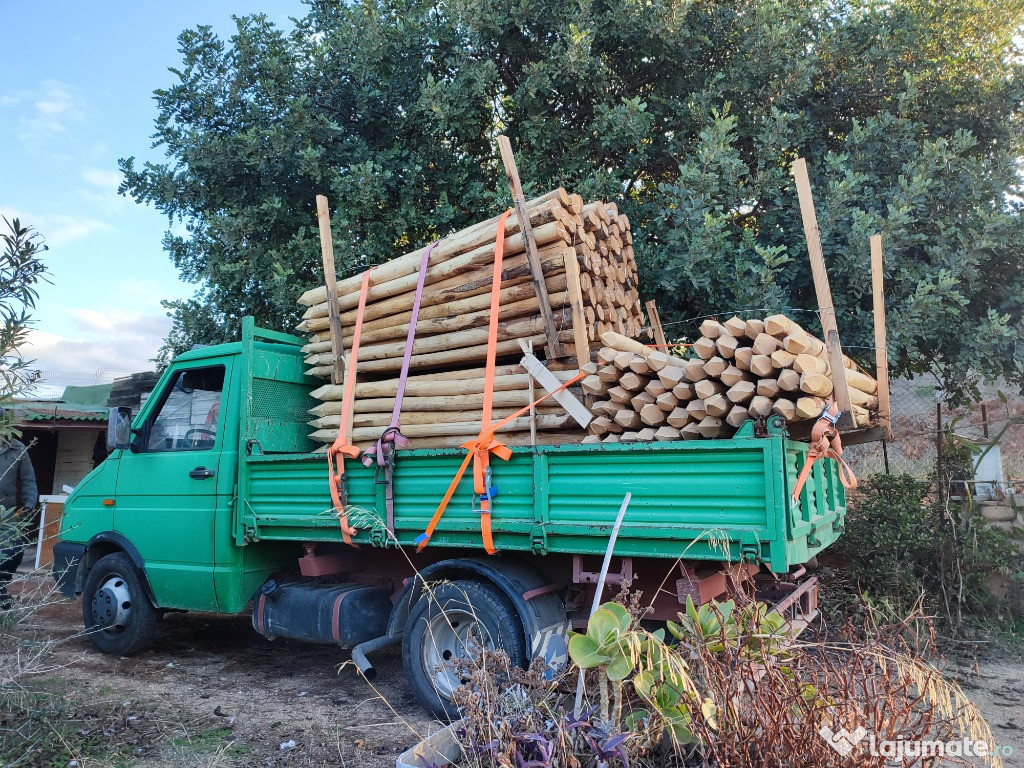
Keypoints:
pixel 165 498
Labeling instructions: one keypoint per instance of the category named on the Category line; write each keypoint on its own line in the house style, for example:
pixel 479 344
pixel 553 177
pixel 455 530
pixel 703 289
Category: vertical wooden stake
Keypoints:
pixel 824 293
pixel 659 333
pixel 323 216
pixel 881 350
pixel 554 348
pixel 579 319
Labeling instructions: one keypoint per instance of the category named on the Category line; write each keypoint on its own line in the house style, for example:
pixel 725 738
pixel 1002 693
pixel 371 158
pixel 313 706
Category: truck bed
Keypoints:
pixel 721 500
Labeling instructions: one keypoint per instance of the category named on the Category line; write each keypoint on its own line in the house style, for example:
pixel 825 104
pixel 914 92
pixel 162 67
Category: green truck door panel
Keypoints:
pixel 165 506
pixel 85 513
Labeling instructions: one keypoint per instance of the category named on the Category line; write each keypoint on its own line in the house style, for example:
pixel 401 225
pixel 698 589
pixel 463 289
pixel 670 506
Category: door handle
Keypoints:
pixel 201 473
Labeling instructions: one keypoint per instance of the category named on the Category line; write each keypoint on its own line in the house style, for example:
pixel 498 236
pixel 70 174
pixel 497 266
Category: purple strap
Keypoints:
pixel 393 433
pixel 396 414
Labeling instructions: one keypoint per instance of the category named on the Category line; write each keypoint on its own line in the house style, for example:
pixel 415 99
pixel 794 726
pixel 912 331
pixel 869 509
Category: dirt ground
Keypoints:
pixel 996 686
pixel 215 693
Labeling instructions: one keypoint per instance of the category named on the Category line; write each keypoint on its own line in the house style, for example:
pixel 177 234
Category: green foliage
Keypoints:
pixel 687 114
pixel 715 626
pixel 662 698
pixel 21 269
pixel 608 642
pixel 712 625
pixel 669 700
pixel 903 546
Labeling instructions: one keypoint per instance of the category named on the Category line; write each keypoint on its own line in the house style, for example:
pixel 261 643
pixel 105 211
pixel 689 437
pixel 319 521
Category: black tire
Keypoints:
pixel 480 603
pixel 116 611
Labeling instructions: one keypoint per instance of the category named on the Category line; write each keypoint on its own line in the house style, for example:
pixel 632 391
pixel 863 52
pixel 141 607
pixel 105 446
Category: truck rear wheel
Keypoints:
pixel 118 616
pixel 447 624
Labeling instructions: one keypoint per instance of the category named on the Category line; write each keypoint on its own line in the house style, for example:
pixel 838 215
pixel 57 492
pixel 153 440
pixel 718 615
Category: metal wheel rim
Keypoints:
pixel 447 639
pixel 112 605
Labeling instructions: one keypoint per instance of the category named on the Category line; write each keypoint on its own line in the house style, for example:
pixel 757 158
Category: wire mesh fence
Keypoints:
pixel 50 385
pixel 920 418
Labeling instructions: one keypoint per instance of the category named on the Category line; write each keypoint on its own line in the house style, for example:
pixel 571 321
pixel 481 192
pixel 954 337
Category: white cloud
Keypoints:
pixel 62 229
pixel 113 341
pixel 112 321
pixel 56 102
pixel 14 98
pixel 106 180
pixel 101 192
pixel 53 109
pixel 58 229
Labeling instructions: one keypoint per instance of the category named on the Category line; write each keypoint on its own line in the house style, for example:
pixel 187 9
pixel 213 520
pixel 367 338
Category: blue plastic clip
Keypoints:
pixel 492 491
pixel 421 538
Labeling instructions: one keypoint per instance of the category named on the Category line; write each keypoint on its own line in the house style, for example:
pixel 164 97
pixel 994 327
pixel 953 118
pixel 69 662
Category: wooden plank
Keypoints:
pixel 579 318
pixel 323 216
pixel 826 311
pixel 881 350
pixel 655 320
pixel 564 397
pixel 554 347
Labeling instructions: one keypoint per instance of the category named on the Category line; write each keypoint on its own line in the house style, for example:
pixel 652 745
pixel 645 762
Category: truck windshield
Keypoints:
pixel 189 415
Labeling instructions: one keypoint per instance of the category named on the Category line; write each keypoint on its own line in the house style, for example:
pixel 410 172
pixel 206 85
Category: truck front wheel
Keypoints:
pixel 117 613
pixel 447 624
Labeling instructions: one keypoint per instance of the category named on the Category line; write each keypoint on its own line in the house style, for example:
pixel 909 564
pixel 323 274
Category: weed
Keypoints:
pixel 735 690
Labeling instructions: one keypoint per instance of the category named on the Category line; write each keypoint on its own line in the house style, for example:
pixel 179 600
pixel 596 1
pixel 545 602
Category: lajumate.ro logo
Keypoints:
pixel 845 742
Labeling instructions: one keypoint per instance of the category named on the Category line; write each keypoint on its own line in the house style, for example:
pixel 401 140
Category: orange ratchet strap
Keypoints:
pixel 341 448
pixel 480 450
pixel 825 442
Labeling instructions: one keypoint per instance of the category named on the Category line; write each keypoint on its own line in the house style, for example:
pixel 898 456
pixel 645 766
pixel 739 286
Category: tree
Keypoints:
pixel 687 114
pixel 21 269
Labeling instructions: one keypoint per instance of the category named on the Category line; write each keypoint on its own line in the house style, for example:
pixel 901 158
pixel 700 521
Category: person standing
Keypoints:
pixel 18 495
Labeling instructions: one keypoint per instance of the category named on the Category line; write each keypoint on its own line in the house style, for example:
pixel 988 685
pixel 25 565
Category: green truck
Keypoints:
pixel 213 499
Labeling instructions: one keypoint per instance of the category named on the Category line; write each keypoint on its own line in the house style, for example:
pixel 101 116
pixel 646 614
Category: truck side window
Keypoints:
pixel 189 416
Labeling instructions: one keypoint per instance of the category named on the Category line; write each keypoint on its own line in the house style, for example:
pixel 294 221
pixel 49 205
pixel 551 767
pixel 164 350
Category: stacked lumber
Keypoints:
pixel 739 369
pixel 589 274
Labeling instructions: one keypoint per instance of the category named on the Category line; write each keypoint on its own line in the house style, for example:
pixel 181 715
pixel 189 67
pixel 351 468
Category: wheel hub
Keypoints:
pixel 112 605
pixel 451 636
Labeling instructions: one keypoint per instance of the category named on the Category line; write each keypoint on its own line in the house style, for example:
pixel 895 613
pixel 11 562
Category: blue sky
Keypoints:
pixel 76 94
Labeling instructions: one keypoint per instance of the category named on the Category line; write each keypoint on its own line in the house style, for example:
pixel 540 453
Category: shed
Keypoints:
pixel 66 436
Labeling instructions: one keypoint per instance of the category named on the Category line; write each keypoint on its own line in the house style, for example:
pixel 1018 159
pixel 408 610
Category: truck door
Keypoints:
pixel 166 498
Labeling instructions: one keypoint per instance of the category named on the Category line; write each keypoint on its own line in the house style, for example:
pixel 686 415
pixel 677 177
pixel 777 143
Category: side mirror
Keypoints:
pixel 119 428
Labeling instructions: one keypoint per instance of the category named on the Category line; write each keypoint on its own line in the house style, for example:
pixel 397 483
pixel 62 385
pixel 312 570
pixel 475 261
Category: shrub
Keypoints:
pixel 903 546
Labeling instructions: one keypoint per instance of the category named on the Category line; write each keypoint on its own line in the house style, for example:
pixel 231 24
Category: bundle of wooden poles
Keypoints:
pixel 589 275
pixel 738 370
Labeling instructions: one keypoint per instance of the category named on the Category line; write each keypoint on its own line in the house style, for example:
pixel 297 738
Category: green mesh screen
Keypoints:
pixel 278 412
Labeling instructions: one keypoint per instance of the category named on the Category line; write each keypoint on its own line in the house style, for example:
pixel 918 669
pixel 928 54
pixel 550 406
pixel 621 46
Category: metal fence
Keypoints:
pixel 920 417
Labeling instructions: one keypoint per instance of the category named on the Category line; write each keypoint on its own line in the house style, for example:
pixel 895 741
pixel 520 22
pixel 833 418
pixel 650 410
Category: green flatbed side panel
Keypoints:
pixel 701 500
